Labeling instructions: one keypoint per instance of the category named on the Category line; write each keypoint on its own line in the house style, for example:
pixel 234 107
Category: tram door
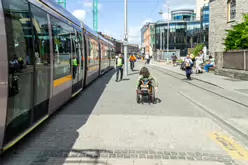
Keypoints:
pixel 42 68
pixel 29 69
pixel 77 72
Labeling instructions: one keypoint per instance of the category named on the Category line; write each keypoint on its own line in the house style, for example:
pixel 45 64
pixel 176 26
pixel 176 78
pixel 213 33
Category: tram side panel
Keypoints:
pixel 3 76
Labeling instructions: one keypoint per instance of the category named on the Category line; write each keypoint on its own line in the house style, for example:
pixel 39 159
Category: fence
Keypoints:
pixel 237 60
pixel 161 56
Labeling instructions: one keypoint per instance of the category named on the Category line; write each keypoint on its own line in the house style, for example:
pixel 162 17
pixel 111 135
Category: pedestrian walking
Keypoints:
pixel 151 60
pixel 132 60
pixel 188 67
pixel 198 62
pixel 119 67
pixel 174 59
pixel 147 57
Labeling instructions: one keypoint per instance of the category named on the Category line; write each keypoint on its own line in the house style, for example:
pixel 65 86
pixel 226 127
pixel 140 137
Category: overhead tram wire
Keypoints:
pixel 154 9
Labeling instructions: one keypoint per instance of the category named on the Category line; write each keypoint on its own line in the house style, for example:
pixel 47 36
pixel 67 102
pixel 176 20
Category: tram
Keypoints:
pixel 47 57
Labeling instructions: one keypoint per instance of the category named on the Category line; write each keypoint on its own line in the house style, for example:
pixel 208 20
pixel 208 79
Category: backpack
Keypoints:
pixel 187 64
pixel 145 81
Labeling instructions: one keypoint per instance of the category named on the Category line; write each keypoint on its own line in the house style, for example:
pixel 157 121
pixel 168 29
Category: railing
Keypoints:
pixel 162 56
pixel 237 60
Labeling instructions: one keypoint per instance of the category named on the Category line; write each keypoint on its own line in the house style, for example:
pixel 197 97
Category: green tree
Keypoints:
pixel 237 37
pixel 197 49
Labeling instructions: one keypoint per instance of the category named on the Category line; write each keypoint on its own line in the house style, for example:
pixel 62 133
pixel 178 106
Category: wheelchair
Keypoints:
pixel 146 91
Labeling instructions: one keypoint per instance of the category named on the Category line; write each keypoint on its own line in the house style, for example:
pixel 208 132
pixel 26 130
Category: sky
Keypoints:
pixel 111 14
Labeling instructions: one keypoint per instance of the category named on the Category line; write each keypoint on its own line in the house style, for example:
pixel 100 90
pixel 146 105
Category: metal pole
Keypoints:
pixel 168 29
pixel 125 40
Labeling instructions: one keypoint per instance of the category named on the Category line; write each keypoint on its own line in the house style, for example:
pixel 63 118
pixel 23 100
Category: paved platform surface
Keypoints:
pixel 105 125
pixel 232 84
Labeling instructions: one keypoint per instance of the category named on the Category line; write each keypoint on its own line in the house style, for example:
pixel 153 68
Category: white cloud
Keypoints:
pixel 165 16
pixel 146 21
pixel 89 4
pixel 179 4
pixel 80 14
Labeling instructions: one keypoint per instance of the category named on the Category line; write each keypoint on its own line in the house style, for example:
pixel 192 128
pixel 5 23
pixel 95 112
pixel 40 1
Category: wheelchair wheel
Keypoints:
pixel 153 95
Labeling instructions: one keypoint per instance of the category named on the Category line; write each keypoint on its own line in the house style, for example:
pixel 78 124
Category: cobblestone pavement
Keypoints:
pixel 105 125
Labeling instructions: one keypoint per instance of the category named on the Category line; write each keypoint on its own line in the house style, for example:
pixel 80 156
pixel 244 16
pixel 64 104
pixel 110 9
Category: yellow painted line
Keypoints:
pixel 62 80
pixel 12 143
pixel 76 92
pixel 234 149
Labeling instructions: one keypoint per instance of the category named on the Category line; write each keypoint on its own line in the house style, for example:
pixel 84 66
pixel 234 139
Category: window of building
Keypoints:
pixel 231 10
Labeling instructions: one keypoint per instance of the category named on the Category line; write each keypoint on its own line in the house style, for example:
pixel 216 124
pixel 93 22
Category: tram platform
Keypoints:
pixel 104 125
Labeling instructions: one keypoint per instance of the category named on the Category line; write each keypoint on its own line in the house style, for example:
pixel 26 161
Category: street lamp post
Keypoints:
pixel 125 40
pixel 168 29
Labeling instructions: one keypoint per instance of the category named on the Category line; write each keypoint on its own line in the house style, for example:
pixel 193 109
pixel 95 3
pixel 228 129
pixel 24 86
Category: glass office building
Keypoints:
pixel 205 16
pixel 185 32
pixel 183 15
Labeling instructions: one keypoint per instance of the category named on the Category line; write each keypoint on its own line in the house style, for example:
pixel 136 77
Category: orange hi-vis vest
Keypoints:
pixel 132 58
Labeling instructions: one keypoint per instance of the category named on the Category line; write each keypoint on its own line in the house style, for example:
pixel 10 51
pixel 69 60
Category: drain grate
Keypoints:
pixel 43 157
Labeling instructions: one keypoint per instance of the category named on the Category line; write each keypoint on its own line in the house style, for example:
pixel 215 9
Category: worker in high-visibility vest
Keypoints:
pixel 132 59
pixel 119 66
pixel 75 66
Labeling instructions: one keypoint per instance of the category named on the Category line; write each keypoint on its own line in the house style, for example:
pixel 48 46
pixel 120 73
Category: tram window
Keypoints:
pixel 61 48
pixel 80 40
pixel 41 36
pixel 19 45
pixel 92 50
pixel 74 37
pixel 42 52
pixel 96 53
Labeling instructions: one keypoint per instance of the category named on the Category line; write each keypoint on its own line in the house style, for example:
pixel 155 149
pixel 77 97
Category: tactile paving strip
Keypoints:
pixel 132 154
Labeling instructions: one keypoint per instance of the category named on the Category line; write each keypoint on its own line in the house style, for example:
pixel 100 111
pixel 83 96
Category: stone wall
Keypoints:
pixel 237 74
pixel 218 60
pixel 218 22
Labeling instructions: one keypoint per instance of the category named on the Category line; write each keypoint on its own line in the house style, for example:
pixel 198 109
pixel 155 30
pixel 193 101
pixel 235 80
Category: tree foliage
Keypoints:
pixel 237 37
pixel 197 49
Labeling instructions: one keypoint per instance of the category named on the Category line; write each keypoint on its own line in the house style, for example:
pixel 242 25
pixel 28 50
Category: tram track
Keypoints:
pixel 180 77
pixel 215 117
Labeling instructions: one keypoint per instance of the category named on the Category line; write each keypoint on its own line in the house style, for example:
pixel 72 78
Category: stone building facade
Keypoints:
pixel 223 14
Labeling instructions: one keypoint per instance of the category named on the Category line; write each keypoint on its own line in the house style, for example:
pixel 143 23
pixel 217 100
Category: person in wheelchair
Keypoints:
pixel 145 79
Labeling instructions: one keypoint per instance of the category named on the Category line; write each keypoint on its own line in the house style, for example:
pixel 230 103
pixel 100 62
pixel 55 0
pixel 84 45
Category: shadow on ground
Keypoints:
pixel 133 73
pixel 60 131
pixel 146 101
